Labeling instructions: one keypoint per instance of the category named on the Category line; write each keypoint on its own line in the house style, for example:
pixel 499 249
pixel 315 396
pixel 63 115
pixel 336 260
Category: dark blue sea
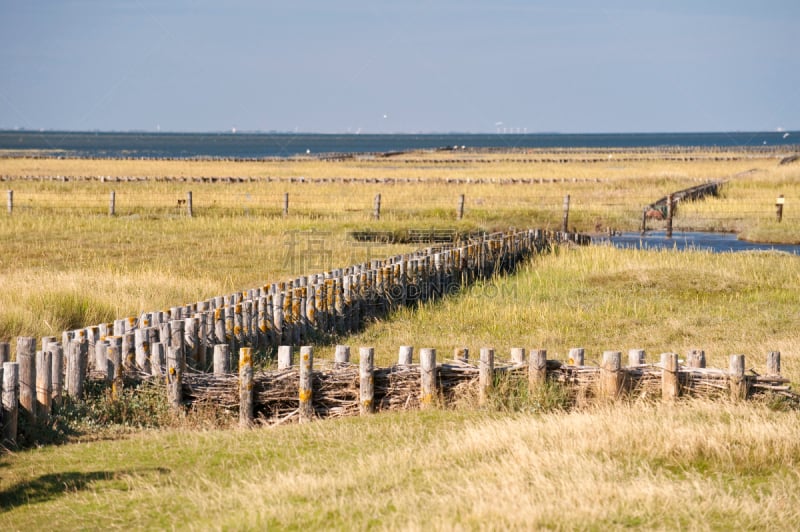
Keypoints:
pixel 262 145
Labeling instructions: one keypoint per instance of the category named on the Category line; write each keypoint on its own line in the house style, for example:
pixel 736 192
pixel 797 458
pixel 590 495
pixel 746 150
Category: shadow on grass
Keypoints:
pixel 53 485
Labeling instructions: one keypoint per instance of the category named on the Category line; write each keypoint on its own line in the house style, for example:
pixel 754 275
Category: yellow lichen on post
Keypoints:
pixel 245 387
pixel 427 368
pixel 305 392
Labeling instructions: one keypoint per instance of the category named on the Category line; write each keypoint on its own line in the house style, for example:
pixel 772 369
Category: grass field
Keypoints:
pixel 695 465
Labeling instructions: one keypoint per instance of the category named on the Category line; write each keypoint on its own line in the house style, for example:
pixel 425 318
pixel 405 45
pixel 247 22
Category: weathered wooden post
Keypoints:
pixel 461 354
pixel 376 207
pixel 222 362
pixel 460 207
pixel 427 369
pixel 158 359
pixel 192 341
pixel 114 366
pixel 142 342
pixel 44 385
pixel 576 355
pixel 76 368
pixel 738 383
pixel 670 210
pixel 774 363
pixel 285 204
pixel 56 371
pixel 778 208
pixel 11 210
pixel 189 209
pixel 129 349
pixel 405 355
pixel 305 391
pixel 26 351
pixel 10 402
pixel 342 355
pixel 636 357
pixel 696 358
pixel 537 369
pixel 175 366
pixel 670 385
pixel 565 217
pixel 485 374
pixel 366 380
pixel 517 355
pixel 285 356
pixel 611 376
pixel 245 387
pixel 112 204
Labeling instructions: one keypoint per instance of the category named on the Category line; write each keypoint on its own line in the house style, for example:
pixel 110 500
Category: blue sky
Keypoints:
pixel 381 67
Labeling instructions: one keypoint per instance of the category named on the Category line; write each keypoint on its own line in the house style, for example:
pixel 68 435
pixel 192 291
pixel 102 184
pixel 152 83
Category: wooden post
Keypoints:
pixel 5 352
pixel 112 204
pixel 285 357
pixel 56 371
pixel 44 385
pixel 342 355
pixel 245 387
pixel 670 385
pixel 427 369
pixel 142 343
pixel 537 369
pixel 774 363
pixel 778 208
pixel 129 349
pixel 189 204
pixel 376 207
pixel 644 220
pixel 175 366
pixel 76 368
pixel 611 374
pixel 222 359
pixel 670 209
pixel 696 358
pixel 11 210
pixel 461 354
pixel 405 356
pixel 576 355
pixel 305 391
pixel 114 366
pixel 285 204
pixel 636 357
pixel 460 207
pixel 738 383
pixel 10 402
pixel 191 338
pixel 517 355
pixel 158 358
pixel 565 218
pixel 485 374
pixel 26 351
pixel 366 380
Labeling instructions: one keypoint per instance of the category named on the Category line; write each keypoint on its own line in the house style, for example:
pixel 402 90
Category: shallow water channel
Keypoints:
pixel 716 242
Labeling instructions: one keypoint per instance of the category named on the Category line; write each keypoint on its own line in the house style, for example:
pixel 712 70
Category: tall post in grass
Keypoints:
pixel 460 214
pixel 670 385
pixel 537 369
pixel 376 207
pixel 222 359
pixel 485 374
pixel 77 359
pixel 737 381
pixel 305 392
pixel 285 204
pixel 112 203
pixel 175 366
pixel 366 380
pixel 189 210
pixel 611 375
pixel 405 355
pixel 427 369
pixel 565 216
pixel 114 366
pixel 245 387
pixel 44 384
pixel 10 204
pixel 670 210
pixel 10 402
pixel 26 351
pixel 56 371
pixel 644 220
pixel 774 363
pixel 778 208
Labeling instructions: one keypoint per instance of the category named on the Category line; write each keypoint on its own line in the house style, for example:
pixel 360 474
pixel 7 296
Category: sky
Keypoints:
pixel 400 67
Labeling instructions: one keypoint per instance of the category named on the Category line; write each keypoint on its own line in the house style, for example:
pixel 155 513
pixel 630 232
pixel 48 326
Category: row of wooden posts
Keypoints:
pixel 34 382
